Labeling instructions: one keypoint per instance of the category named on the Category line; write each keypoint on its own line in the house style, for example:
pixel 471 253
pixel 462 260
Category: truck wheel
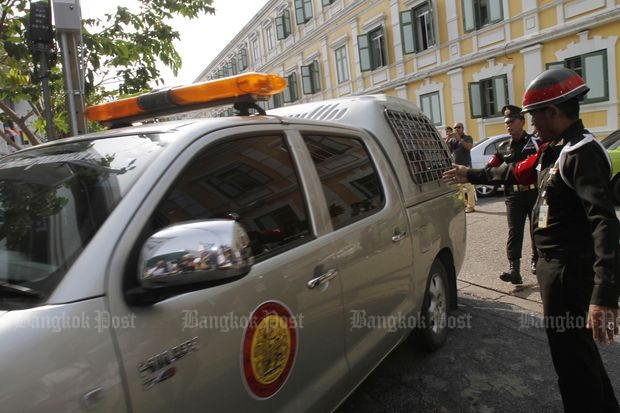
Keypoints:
pixel 433 331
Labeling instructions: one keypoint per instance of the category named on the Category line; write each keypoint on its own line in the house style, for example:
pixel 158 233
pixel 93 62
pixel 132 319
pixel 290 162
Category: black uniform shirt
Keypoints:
pixel 516 151
pixel 582 219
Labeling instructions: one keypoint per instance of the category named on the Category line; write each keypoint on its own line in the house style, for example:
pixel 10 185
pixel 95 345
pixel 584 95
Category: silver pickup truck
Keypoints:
pixel 253 263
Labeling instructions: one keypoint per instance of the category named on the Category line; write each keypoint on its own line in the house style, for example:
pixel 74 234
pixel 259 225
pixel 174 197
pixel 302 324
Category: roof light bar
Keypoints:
pixel 253 86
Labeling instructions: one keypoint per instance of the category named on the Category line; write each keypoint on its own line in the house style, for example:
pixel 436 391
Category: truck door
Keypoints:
pixel 265 342
pixel 372 242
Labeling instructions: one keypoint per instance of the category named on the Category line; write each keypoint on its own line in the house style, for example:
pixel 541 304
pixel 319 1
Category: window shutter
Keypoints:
pixel 475 100
pixel 469 18
pixel 363 45
pixel 306 80
pixel 407 31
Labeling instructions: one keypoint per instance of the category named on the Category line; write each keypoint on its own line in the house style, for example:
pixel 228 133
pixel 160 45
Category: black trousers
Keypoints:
pixel 519 207
pixel 566 286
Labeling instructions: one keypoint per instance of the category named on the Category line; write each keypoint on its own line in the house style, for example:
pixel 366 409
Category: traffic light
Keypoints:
pixel 41 42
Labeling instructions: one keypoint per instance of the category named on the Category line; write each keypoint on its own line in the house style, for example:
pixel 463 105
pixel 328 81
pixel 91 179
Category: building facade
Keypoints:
pixel 458 60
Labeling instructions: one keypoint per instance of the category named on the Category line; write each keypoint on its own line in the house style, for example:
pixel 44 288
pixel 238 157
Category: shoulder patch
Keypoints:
pixel 587 138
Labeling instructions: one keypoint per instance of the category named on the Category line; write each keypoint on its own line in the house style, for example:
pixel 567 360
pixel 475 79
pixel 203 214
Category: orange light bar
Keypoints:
pixel 204 94
pixel 118 109
pixel 246 84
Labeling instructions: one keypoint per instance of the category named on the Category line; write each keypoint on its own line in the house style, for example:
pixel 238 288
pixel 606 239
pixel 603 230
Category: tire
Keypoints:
pixel 433 330
pixel 486 191
pixel 615 189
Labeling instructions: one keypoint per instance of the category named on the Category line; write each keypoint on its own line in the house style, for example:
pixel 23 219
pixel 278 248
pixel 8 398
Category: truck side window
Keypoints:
pixel 251 180
pixel 351 184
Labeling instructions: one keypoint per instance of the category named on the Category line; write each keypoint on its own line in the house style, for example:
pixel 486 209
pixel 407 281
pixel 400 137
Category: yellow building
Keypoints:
pixel 458 60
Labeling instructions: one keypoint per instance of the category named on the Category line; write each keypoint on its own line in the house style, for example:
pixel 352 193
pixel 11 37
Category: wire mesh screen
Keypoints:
pixel 419 140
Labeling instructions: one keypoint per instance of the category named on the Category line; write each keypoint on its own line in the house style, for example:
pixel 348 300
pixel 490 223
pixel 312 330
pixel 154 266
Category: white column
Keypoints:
pixel 532 62
pixel 398 48
pixel 401 92
pixel 458 86
pixel 325 52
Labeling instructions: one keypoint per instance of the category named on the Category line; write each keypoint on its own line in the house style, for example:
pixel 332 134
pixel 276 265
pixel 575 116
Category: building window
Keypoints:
pixel 417 28
pixel 479 13
pixel 311 78
pixel 256 52
pixel 430 105
pixel 283 25
pixel 303 11
pixel 276 101
pixel 488 96
pixel 232 67
pixel 592 67
pixel 342 64
pixel 327 2
pixel 269 36
pixel 242 59
pixel 291 93
pixel 372 50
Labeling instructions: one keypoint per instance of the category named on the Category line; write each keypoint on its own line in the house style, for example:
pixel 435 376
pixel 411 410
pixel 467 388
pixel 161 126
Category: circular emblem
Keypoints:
pixel 269 347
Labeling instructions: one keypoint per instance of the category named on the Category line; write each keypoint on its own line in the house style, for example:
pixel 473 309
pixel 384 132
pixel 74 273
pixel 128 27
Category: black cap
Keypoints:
pixel 512 112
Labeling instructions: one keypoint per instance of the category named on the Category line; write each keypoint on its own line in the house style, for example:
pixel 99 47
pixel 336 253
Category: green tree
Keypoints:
pixel 123 47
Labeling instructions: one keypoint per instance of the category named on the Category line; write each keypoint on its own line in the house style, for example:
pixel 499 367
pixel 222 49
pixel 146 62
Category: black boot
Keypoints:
pixel 533 265
pixel 514 273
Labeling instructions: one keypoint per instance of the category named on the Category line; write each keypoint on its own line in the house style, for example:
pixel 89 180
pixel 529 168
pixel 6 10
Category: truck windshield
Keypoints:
pixel 52 202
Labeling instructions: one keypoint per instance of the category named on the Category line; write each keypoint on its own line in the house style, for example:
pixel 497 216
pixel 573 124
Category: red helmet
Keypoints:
pixel 551 87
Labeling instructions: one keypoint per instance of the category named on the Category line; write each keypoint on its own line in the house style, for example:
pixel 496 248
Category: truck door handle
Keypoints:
pixel 399 235
pixel 323 278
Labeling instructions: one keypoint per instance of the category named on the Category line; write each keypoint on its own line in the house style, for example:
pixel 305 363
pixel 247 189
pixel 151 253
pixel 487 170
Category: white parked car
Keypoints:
pixel 481 153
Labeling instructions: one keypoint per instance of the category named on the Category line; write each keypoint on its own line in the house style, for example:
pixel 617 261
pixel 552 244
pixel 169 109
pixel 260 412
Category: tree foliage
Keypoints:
pixel 122 49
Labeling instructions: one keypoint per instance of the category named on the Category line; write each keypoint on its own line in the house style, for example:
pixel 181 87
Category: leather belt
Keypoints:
pixel 517 188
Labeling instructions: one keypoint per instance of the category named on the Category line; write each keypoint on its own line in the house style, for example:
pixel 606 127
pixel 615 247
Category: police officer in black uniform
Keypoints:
pixel 577 235
pixel 520 199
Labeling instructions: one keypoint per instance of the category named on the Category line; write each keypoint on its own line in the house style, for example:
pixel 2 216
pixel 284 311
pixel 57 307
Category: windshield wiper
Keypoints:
pixel 19 290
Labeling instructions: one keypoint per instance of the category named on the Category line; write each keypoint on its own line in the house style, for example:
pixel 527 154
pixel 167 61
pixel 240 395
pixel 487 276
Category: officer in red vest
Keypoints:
pixel 520 199
pixel 577 236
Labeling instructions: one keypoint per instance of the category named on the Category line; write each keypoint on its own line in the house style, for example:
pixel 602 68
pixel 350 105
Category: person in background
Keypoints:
pixel 576 232
pixel 450 138
pixel 520 199
pixel 462 156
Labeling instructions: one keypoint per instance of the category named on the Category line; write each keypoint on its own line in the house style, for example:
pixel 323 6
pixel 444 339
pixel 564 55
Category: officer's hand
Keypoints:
pixel 456 175
pixel 603 321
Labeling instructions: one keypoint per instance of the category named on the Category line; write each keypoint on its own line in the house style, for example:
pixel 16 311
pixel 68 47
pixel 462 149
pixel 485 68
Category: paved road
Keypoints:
pixel 499 364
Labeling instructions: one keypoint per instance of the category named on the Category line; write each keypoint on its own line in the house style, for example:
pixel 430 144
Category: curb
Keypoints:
pixel 513 298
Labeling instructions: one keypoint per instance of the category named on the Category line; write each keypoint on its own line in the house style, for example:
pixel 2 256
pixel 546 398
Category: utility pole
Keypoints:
pixel 40 36
pixel 68 19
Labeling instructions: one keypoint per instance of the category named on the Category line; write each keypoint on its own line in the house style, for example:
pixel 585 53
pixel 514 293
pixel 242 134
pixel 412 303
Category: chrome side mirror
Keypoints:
pixel 195 252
